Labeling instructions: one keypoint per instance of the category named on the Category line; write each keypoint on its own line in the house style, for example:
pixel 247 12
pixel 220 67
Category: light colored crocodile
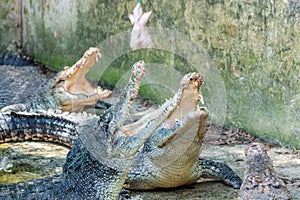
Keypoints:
pixel 68 90
pixel 261 181
pixel 170 157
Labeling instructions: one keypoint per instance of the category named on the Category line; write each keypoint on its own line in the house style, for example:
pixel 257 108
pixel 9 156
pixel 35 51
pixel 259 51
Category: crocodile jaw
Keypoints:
pixel 190 96
pixel 183 102
pixel 72 89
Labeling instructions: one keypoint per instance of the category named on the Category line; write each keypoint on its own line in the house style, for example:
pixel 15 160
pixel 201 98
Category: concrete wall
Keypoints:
pixel 10 25
pixel 253 44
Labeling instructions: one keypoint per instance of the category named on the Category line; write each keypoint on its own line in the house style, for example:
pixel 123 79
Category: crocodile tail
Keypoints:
pixel 46 188
pixel 23 126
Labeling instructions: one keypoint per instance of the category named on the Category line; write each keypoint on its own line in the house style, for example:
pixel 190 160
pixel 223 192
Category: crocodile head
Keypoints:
pixel 255 150
pixel 188 110
pixel 190 95
pixel 260 179
pixel 171 154
pixel 72 89
pixel 190 131
pixel 257 157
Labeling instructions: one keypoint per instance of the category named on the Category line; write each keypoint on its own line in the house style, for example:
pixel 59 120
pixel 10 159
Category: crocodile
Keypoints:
pixel 260 179
pixel 98 162
pixel 169 158
pixel 68 90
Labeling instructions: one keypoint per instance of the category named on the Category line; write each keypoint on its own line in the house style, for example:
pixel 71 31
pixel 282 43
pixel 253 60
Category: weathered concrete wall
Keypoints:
pixel 254 44
pixel 11 25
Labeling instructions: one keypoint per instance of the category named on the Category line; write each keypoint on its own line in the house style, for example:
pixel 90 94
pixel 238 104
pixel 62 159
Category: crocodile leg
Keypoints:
pixel 220 171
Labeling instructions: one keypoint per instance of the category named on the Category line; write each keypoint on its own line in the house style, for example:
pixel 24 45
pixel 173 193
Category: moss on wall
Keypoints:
pixel 254 45
pixel 10 26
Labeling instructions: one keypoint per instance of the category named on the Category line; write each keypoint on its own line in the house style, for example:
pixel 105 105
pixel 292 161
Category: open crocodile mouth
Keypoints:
pixel 190 96
pixel 188 112
pixel 186 101
pixel 71 87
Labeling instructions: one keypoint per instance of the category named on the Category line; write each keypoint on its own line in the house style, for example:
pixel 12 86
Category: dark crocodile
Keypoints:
pixel 261 181
pixel 68 90
pixel 177 142
pixel 97 164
